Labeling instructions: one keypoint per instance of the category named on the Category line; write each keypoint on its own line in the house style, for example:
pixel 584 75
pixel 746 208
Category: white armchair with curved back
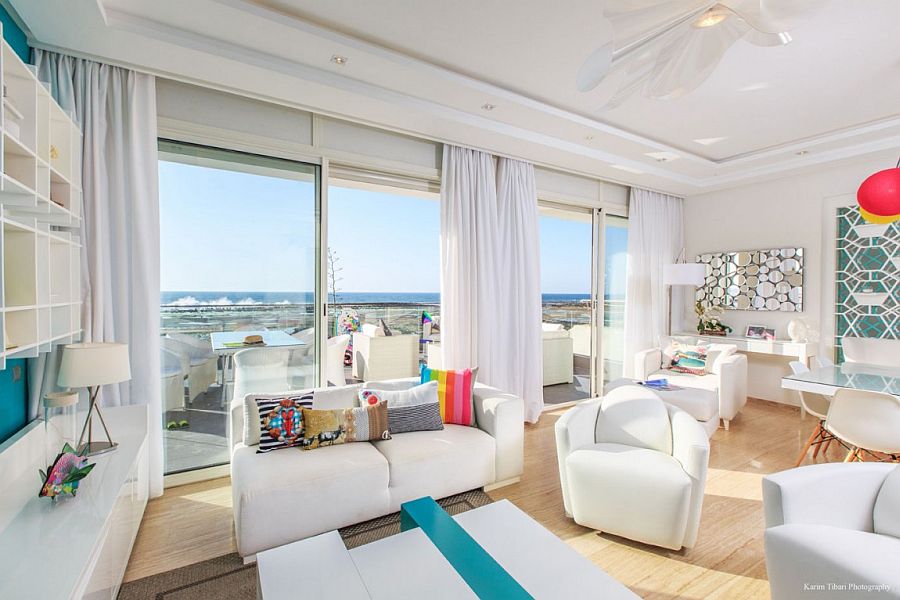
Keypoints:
pixel 633 466
pixel 202 362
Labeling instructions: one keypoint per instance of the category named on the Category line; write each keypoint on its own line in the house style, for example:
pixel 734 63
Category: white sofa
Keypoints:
pixel 558 357
pixel 726 376
pixel 287 495
pixel 377 356
pixel 833 524
pixel 633 466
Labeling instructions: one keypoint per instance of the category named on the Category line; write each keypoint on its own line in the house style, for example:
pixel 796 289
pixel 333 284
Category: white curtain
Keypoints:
pixel 116 109
pixel 655 239
pixel 521 365
pixel 490 273
pixel 471 323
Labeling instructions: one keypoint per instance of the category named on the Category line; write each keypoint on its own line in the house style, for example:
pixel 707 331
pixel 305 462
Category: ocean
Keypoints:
pixel 187 298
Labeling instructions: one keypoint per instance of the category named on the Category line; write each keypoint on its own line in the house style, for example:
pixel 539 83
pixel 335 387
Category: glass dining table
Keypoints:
pixel 858 376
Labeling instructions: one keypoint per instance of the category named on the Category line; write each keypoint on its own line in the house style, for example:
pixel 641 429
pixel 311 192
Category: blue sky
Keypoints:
pixel 227 231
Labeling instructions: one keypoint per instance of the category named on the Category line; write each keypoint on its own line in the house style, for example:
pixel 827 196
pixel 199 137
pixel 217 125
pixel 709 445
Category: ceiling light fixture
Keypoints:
pixel 662 156
pixel 488 106
pixel 589 138
pixel 338 59
pixel 712 17
pixel 802 152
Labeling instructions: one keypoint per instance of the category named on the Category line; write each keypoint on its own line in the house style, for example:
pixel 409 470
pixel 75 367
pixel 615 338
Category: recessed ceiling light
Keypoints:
pixel 712 17
pixel 802 152
pixel 662 156
pixel 709 141
pixel 488 106
pixel 627 169
pixel 338 59
pixel 589 138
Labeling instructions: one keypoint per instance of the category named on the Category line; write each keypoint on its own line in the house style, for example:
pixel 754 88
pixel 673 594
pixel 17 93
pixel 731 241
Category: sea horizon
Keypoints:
pixel 248 298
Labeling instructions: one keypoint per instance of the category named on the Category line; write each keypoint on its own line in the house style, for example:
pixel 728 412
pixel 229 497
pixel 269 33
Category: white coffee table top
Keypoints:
pixel 409 566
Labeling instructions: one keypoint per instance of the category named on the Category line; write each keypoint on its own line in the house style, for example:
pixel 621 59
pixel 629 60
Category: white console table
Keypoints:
pixel 74 547
pixel 802 351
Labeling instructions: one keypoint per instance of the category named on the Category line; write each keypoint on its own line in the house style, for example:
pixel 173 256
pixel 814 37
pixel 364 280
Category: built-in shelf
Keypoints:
pixel 40 213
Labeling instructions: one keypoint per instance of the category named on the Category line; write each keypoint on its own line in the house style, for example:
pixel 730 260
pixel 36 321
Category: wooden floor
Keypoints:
pixel 193 522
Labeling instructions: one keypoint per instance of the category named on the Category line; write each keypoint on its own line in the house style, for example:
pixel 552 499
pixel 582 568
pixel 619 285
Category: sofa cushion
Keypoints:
pixel 281 497
pixel 281 421
pixel 342 396
pixel 635 416
pixel 455 393
pixel 887 506
pixel 251 413
pixel 555 335
pixel 707 382
pixel 716 354
pixel 634 492
pixel 344 425
pixel 437 463
pixel 413 409
pixel 690 359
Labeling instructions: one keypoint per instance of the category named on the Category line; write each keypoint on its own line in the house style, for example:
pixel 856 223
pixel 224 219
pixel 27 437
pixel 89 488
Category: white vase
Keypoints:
pixel 798 330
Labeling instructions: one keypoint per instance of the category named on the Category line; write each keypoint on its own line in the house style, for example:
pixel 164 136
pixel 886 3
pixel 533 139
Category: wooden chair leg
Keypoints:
pixel 851 456
pixel 816 432
pixel 827 445
pixel 819 441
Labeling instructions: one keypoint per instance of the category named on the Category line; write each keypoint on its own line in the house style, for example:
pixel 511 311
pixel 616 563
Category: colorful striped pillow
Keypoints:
pixel 456 391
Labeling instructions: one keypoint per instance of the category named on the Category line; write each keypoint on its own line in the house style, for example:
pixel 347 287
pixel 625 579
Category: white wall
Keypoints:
pixel 785 212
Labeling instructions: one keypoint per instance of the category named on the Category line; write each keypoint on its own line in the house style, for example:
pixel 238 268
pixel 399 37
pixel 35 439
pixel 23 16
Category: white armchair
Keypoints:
pixel 174 369
pixel 833 524
pixel 202 361
pixel 334 359
pixel 726 376
pixel 377 357
pixel 633 466
pixel 558 357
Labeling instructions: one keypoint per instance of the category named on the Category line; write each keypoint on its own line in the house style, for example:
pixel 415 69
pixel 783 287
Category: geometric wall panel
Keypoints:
pixel 753 280
pixel 867 292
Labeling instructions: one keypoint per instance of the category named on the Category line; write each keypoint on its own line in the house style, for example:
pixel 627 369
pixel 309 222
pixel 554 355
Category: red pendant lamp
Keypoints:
pixel 879 196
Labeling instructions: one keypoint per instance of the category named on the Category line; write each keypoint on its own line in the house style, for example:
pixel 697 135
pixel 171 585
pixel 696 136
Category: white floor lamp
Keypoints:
pixel 682 274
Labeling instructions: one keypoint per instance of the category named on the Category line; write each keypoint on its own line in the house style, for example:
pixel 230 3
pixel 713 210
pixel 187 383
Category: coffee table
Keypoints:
pixel 409 565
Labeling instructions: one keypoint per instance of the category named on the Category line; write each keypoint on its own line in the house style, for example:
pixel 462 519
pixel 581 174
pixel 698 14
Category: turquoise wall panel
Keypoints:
pixel 14 36
pixel 867 294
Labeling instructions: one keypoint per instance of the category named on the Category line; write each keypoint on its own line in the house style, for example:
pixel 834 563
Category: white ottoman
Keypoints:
pixel 703 405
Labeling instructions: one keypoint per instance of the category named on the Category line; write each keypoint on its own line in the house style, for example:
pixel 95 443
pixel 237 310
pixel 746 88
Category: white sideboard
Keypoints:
pixel 73 548
pixel 802 351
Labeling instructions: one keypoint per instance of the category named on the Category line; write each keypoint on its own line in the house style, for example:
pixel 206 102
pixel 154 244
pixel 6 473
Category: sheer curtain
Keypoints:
pixel 490 273
pixel 116 109
pixel 521 364
pixel 655 238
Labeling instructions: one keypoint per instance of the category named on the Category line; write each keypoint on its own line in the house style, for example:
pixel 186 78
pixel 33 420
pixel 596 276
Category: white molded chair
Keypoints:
pixel 726 375
pixel 202 371
pixel 633 466
pixel 817 405
pixel 268 371
pixel 833 523
pixel 334 359
pixel 872 351
pixel 174 370
pixel 867 421
pixel 823 361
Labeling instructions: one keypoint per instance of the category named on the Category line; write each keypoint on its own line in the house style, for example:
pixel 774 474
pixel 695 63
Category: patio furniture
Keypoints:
pixel 871 351
pixel 558 357
pixel 726 376
pixel 174 370
pixel 633 466
pixel 268 370
pixel 817 405
pixel 227 343
pixel 334 359
pixel 833 524
pixel 202 368
pixel 378 356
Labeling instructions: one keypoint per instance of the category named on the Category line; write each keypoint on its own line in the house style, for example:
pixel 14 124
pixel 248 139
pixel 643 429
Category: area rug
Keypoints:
pixel 228 578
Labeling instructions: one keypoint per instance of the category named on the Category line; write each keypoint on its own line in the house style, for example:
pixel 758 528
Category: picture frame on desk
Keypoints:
pixel 760 332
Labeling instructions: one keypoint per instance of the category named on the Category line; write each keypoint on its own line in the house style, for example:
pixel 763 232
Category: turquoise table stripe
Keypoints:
pixel 477 568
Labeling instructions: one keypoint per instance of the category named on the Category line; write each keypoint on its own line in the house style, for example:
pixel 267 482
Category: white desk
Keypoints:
pixel 408 566
pixel 802 351
pixel 859 376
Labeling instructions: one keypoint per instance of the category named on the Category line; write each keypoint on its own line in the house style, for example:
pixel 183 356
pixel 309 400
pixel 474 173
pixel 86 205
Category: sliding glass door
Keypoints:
pixel 239 257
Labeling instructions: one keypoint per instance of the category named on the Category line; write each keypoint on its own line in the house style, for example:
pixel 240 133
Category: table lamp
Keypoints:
pixel 90 366
pixel 682 274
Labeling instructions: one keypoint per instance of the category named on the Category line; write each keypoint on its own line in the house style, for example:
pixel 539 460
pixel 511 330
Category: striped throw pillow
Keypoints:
pixel 281 421
pixel 413 409
pixel 690 359
pixel 456 391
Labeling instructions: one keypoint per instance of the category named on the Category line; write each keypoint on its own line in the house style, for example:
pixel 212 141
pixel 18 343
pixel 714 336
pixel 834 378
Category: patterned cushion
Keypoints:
pixel 344 425
pixel 456 390
pixel 281 421
pixel 413 409
pixel 690 359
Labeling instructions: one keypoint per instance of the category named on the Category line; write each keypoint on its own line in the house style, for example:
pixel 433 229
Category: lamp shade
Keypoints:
pixel 94 364
pixel 684 274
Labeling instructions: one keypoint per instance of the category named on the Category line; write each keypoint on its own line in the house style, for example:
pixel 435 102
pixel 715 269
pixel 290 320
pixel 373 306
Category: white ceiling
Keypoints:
pixel 427 67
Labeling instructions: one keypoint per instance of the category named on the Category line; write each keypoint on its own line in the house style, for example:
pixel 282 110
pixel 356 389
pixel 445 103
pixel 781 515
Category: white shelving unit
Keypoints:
pixel 40 215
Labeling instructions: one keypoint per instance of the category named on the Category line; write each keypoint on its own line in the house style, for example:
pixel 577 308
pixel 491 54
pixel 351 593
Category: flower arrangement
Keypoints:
pixel 710 320
pixel 66 472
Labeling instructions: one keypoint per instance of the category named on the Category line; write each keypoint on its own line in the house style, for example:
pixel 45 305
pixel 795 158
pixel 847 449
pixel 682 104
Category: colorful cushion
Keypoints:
pixel 341 426
pixel 412 409
pixel 281 421
pixel 456 390
pixel 690 359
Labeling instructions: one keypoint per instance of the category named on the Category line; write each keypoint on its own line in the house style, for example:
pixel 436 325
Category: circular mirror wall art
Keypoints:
pixel 769 279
